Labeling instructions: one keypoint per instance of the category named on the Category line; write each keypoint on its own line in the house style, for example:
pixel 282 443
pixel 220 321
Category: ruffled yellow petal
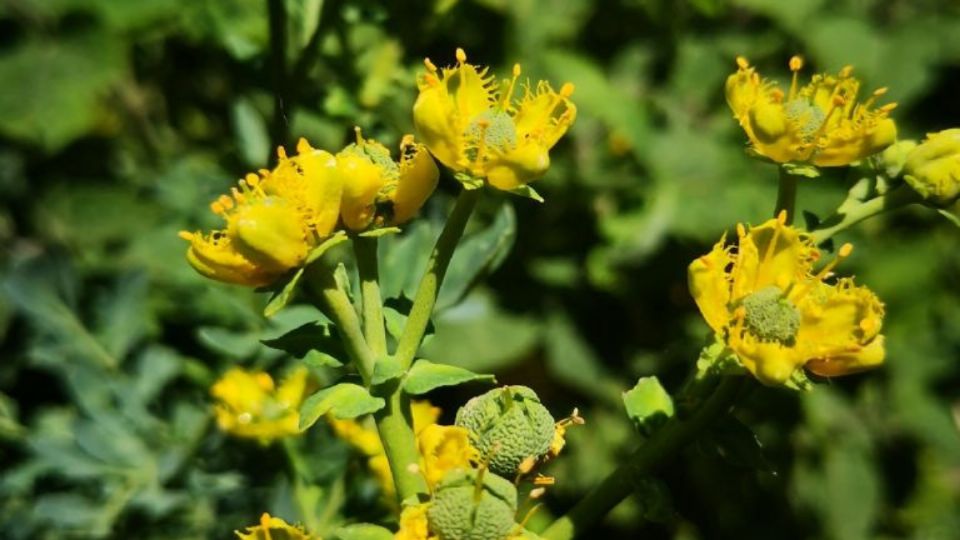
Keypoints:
pixel 774 254
pixel 518 166
pixel 770 362
pixel 418 179
pixel 214 257
pixel 363 180
pixel 269 233
pixel 272 528
pixel 322 187
pixel 861 359
pixel 710 285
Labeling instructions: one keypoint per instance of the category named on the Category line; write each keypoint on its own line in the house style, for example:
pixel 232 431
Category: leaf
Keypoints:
pixel 338 238
pixel 387 368
pixel 362 531
pixel 951 217
pixel 476 335
pixel 235 345
pixel 251 132
pixel 312 336
pixel 528 192
pixel 648 404
pixel 425 376
pixel 343 401
pixel 122 315
pixel 477 256
pixel 61 87
pixel 317 359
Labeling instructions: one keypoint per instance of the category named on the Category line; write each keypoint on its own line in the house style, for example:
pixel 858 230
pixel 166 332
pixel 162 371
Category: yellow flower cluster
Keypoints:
pixel 474 126
pixel 442 448
pixel 274 218
pixel 249 405
pixel 273 528
pixel 763 299
pixel 821 123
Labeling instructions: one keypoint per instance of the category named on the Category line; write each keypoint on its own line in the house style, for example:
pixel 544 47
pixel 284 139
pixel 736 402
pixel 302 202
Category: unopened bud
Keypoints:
pixel 932 168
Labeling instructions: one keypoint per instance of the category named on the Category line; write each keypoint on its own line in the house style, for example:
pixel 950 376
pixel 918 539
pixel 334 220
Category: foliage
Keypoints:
pixel 121 121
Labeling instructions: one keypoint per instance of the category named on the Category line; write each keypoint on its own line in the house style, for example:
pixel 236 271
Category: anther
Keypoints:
pixel 566 90
pixel 742 62
pixel 186 235
pixel 796 63
pixel 359 135
pixel 216 207
pixel 888 107
pixel 846 72
pixel 430 66
pixel 281 153
pixel 461 55
pixel 536 493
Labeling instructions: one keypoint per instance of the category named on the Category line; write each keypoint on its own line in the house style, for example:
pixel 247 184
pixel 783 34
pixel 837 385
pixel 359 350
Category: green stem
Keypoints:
pixel 365 250
pixel 849 215
pixel 394 422
pixel 663 446
pixel 341 312
pixel 279 128
pixel 786 194
pixel 395 425
pixel 426 296
pixel 300 472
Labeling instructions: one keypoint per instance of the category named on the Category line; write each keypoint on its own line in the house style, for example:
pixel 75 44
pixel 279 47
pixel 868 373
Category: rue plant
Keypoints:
pixel 778 313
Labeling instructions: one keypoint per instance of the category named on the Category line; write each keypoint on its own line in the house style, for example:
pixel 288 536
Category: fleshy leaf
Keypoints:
pixel 386 369
pixel 425 376
pixel 528 192
pixel 343 401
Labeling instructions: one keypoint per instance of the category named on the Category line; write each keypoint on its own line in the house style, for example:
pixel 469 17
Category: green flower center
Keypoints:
pixel 770 316
pixel 807 117
pixel 495 127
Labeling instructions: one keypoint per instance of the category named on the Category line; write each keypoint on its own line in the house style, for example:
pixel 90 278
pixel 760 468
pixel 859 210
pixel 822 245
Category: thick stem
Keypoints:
pixel 279 128
pixel 664 445
pixel 432 279
pixel 394 422
pixel 341 312
pixel 395 425
pixel 365 250
pixel 850 216
pixel 786 194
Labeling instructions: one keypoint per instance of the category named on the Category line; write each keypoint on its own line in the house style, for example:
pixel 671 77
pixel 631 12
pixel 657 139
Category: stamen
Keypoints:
pixel 566 90
pixel 887 108
pixel 461 56
pixel 186 235
pixel 265 525
pixel 742 62
pixel 430 66
pixel 796 64
pixel 536 493
pixel 359 135
pixel 217 208
pixel 846 72
pixel 842 253
pixel 226 201
pixel 541 480
pixel 281 153
pixel 526 518
pixel 508 95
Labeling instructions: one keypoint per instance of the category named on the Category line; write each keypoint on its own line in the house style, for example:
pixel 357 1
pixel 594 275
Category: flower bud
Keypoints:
pixel 933 168
pixel 894 158
pixel 473 505
pixel 508 425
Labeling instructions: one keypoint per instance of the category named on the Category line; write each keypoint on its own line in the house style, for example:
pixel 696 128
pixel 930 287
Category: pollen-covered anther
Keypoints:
pixel 796 63
pixel 461 55
pixel 742 62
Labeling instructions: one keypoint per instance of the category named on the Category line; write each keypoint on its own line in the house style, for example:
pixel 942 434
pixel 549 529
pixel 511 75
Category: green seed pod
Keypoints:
pixel 463 509
pixel 507 425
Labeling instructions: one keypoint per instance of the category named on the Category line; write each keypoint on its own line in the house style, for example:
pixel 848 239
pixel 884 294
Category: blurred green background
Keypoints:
pixel 121 120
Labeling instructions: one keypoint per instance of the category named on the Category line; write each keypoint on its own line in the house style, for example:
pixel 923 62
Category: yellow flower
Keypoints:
pixel 820 123
pixel 932 168
pixel 413 524
pixel 273 219
pixel 272 528
pixel 379 191
pixel 248 405
pixel 763 299
pixel 442 449
pixel 476 128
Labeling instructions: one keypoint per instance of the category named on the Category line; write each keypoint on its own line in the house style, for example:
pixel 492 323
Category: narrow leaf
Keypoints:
pixel 425 376
pixel 343 401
